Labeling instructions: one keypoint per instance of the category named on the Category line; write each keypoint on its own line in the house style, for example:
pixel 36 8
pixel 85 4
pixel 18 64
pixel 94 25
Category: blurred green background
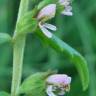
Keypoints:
pixel 79 31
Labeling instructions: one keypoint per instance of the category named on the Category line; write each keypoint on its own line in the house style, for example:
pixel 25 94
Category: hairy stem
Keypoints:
pixel 18 52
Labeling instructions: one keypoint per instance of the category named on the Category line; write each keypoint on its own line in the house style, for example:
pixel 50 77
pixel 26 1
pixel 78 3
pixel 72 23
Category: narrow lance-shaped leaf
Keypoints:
pixel 75 57
pixel 4 38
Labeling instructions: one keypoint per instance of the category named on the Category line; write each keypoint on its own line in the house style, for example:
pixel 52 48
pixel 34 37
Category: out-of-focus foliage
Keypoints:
pixel 2 93
pixel 4 38
pixel 79 31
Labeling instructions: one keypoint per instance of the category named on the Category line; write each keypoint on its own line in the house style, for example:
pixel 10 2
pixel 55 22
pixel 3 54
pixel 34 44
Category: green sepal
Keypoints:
pixel 35 85
pixel 26 24
pixel 2 93
pixel 75 57
pixel 4 38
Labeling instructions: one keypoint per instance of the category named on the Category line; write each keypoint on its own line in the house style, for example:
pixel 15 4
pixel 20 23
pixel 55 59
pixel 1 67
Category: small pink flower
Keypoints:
pixel 45 14
pixel 48 12
pixel 67 8
pixel 57 82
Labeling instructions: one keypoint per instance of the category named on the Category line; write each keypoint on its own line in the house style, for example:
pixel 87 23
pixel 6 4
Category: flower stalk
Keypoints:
pixel 18 52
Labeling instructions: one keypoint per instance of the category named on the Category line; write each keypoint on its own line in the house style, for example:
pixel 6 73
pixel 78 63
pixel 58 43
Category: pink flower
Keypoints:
pixel 67 8
pixel 59 78
pixel 48 12
pixel 57 82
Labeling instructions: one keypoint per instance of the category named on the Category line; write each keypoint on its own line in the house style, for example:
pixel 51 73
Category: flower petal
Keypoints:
pixel 50 26
pixel 48 11
pixel 67 7
pixel 69 79
pixel 67 13
pixel 45 31
pixel 49 91
pixel 59 79
pixel 64 2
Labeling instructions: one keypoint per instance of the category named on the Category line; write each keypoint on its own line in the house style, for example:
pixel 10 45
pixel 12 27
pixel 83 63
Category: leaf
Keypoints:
pixel 4 38
pixel 75 57
pixel 2 93
pixel 35 85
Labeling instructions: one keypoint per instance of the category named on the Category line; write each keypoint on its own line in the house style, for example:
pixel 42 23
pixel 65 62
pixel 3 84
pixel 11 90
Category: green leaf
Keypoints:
pixel 35 85
pixel 4 38
pixel 75 57
pixel 2 93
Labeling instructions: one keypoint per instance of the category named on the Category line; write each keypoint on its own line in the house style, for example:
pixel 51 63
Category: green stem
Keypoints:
pixel 18 53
